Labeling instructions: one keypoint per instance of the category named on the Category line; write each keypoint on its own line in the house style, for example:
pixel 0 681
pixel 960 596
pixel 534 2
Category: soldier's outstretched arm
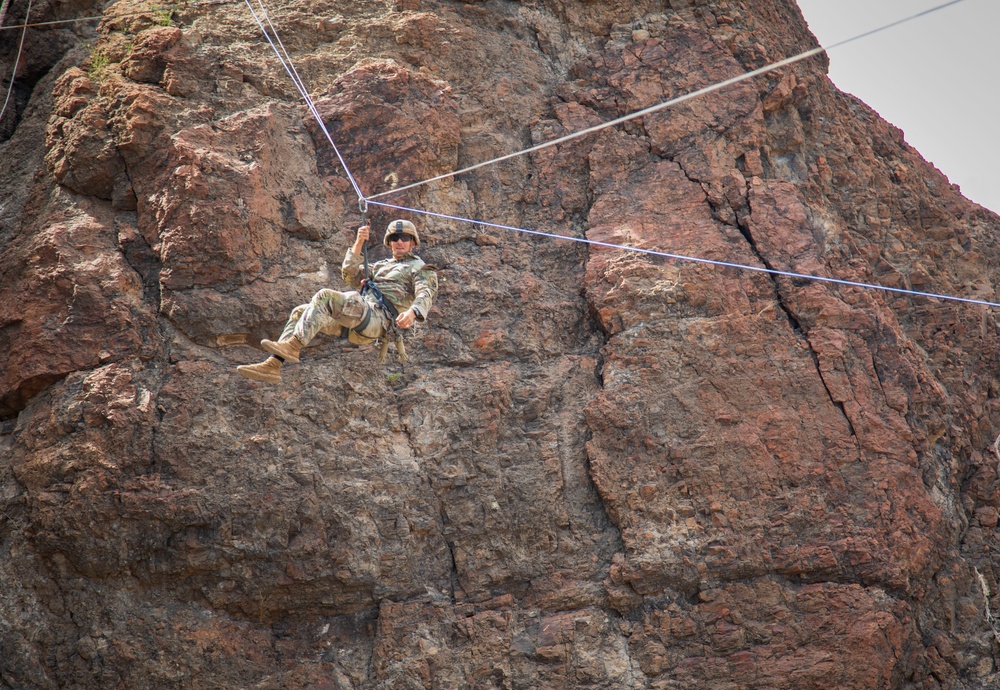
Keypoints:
pixel 425 287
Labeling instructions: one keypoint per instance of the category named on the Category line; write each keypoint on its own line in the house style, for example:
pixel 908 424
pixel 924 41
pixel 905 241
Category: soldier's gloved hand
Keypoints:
pixel 359 243
pixel 406 319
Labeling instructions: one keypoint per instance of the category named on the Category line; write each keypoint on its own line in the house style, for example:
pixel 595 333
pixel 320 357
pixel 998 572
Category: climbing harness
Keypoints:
pixel 389 311
pixel 370 289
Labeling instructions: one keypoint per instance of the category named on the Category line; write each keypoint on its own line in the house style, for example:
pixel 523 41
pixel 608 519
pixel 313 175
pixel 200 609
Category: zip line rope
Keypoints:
pixel 286 62
pixel 682 257
pixel 610 123
pixel 17 62
pixel 310 103
pixel 285 59
pixel 363 201
pixel 675 101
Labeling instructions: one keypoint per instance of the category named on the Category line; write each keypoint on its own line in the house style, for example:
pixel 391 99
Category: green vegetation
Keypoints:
pixel 163 17
pixel 98 64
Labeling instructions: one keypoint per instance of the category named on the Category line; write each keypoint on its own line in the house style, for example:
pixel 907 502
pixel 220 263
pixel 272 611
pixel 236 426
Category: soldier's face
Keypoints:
pixel 401 246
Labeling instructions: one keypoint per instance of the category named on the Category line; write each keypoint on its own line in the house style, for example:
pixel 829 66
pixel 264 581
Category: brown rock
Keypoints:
pixel 80 150
pixel 780 95
pixel 487 240
pixel 150 51
pixel 385 107
pixel 600 468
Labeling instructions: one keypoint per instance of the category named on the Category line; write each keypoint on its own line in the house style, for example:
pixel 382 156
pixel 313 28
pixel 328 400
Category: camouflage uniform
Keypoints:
pixel 405 282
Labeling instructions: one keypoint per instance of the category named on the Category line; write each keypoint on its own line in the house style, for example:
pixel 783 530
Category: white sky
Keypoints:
pixel 937 78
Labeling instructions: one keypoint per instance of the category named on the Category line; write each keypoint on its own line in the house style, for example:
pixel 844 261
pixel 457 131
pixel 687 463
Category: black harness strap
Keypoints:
pixel 388 309
pixel 369 288
pixel 364 322
pixel 359 329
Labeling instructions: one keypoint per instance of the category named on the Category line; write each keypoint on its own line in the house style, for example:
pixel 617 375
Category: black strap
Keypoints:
pixel 387 307
pixel 364 322
pixel 345 332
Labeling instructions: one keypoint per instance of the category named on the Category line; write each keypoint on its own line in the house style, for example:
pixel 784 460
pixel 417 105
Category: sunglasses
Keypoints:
pixel 399 237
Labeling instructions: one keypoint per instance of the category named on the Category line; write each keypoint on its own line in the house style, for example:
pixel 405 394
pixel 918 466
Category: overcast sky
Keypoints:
pixel 937 78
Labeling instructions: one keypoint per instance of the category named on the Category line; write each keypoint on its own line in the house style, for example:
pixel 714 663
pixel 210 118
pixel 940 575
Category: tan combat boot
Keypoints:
pixel 269 370
pixel 288 350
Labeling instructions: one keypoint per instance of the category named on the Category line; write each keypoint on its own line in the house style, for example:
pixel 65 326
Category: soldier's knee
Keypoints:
pixel 330 301
pixel 321 296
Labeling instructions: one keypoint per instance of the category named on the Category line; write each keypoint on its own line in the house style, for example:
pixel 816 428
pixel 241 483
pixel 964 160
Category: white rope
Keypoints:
pixel 667 104
pixel 286 62
pixel 364 201
pixel 610 123
pixel 694 259
pixel 17 62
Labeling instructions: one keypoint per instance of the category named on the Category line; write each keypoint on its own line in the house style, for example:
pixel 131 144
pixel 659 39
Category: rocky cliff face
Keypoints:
pixel 600 469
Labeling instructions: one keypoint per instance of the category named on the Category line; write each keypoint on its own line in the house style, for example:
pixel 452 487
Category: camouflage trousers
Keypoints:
pixel 330 312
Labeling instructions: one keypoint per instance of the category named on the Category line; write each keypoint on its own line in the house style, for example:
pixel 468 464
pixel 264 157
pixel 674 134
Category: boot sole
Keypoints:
pixel 276 349
pixel 250 373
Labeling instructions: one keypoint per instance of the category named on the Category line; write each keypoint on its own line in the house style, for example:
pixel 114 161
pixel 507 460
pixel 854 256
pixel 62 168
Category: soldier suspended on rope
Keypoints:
pixel 398 293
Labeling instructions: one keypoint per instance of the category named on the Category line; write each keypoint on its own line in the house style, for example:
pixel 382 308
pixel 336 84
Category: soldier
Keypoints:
pixel 406 282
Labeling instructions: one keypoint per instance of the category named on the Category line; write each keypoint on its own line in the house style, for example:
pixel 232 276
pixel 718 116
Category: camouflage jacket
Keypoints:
pixel 407 282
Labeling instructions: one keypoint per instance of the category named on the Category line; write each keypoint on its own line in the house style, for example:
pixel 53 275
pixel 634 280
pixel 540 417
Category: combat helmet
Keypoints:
pixel 402 227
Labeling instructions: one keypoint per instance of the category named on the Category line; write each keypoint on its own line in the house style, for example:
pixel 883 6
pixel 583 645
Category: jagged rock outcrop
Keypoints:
pixel 600 469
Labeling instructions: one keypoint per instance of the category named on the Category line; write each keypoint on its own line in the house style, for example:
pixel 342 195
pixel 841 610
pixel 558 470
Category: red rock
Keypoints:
pixel 599 469
pixel 150 52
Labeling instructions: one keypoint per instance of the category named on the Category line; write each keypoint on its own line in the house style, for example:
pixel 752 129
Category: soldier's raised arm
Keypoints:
pixel 352 269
